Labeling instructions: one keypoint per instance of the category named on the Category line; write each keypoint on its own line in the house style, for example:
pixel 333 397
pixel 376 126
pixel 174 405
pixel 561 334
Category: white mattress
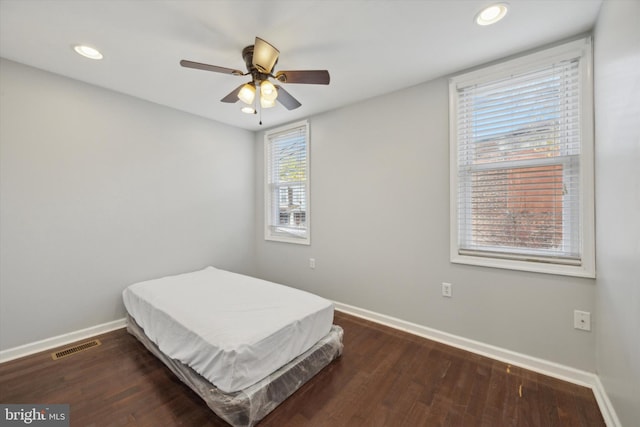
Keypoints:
pixel 232 329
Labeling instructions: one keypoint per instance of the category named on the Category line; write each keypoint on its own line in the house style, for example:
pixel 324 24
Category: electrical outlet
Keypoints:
pixel 446 290
pixel 582 320
pixel 312 263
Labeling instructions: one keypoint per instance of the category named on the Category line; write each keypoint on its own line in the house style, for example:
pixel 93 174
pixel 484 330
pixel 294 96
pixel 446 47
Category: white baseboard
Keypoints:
pixel 60 340
pixel 545 367
pixel 605 405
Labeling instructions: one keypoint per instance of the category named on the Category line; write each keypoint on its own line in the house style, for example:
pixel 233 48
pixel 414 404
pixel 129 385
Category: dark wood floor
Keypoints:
pixel 384 378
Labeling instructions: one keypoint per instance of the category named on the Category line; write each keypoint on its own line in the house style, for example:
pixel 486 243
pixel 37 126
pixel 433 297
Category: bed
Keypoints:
pixel 242 344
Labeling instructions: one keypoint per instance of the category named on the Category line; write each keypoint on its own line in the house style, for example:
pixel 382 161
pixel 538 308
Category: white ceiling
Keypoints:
pixel 370 47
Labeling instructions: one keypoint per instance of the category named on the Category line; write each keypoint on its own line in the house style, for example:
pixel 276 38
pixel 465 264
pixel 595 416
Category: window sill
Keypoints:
pixel 535 267
pixel 287 239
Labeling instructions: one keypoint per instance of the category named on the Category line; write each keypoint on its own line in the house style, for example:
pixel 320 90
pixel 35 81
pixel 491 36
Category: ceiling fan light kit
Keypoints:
pixel 260 58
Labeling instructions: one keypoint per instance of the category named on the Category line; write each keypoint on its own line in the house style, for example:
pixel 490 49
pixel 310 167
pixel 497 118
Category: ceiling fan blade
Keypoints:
pixel 316 77
pixel 233 96
pixel 265 55
pixel 285 98
pixel 207 67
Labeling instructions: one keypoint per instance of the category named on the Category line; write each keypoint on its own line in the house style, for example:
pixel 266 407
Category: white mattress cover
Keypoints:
pixel 232 329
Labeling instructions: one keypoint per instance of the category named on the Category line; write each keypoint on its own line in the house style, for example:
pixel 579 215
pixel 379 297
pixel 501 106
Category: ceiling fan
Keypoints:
pixel 260 58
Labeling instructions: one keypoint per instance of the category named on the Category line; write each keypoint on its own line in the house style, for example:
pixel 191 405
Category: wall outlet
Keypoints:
pixel 312 263
pixel 582 320
pixel 446 290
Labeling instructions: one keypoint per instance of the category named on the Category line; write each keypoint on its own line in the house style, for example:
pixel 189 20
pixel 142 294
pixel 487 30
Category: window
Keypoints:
pixel 522 163
pixel 287 184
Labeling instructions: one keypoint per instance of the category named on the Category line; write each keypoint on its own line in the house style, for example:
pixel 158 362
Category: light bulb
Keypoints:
pixel 268 91
pixel 88 51
pixel 492 14
pixel 247 94
pixel 265 103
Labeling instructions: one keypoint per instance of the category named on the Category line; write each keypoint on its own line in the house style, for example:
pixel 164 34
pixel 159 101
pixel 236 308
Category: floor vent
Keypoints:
pixel 75 349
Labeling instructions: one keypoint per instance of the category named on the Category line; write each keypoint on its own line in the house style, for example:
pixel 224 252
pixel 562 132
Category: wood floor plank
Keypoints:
pixel 417 415
pixel 385 377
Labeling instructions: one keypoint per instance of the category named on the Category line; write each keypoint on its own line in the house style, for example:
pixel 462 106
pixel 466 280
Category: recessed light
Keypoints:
pixel 248 110
pixel 491 14
pixel 87 51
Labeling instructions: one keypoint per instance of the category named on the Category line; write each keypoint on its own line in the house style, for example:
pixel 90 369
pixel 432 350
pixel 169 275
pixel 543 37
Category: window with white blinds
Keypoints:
pixel 287 184
pixel 522 165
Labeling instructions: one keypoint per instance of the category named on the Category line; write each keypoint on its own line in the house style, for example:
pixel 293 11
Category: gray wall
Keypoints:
pixel 99 190
pixel 380 235
pixel 617 120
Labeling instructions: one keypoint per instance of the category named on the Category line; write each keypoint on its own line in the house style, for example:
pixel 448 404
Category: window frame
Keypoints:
pixel 496 71
pixel 269 233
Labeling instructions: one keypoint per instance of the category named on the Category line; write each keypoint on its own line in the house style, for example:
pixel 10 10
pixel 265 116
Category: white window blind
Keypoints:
pixel 287 184
pixel 519 163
